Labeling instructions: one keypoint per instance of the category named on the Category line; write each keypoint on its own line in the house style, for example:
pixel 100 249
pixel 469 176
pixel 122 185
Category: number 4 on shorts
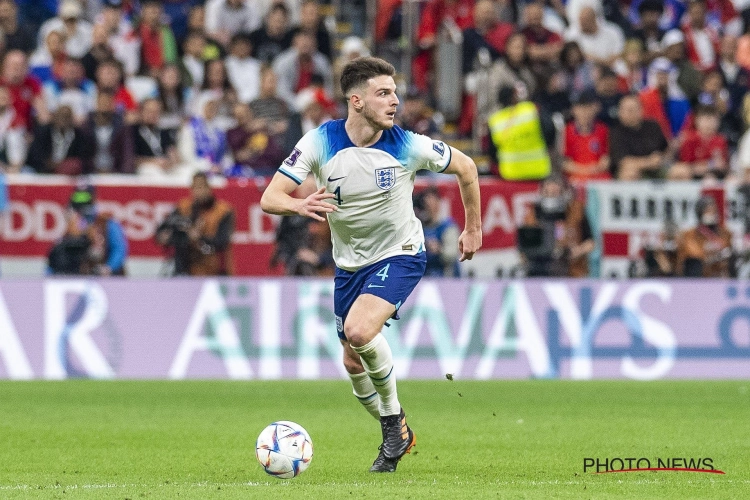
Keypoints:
pixel 383 273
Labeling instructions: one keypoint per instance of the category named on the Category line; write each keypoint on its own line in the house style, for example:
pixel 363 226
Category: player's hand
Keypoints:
pixel 315 204
pixel 468 244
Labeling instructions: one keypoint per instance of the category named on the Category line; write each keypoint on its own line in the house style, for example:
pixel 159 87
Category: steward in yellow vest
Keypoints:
pixel 516 133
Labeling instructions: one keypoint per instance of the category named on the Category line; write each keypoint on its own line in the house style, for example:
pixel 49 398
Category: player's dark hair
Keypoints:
pixel 361 69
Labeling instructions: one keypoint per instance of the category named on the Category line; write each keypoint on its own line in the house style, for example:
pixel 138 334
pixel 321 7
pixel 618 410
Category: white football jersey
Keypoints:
pixel 372 187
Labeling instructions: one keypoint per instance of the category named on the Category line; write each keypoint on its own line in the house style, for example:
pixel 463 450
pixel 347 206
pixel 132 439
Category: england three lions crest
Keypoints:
pixel 385 178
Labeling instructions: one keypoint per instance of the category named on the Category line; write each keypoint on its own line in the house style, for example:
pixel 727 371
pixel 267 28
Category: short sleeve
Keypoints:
pixel 304 158
pixel 425 153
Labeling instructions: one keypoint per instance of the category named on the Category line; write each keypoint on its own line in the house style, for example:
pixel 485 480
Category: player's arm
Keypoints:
pixel 468 182
pixel 277 199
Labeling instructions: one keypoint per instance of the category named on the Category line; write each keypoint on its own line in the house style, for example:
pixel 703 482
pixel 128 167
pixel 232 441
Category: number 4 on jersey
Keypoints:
pixel 337 195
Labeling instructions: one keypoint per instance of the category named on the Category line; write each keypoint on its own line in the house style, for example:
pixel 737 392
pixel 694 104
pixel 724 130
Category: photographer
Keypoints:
pixel 706 250
pixel 555 239
pixel 93 243
pixel 200 232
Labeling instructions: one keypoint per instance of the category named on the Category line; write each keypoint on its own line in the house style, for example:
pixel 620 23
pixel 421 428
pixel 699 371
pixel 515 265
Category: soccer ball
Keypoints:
pixel 284 449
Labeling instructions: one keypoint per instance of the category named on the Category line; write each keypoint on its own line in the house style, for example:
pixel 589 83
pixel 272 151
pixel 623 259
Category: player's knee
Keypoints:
pixel 357 334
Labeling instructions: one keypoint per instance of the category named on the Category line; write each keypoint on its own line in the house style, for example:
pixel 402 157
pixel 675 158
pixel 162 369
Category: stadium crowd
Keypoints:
pixel 583 89
pixel 624 90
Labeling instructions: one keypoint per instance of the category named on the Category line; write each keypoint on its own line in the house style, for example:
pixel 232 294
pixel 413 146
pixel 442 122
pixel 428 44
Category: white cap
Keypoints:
pixel 661 64
pixel 672 37
pixel 69 9
pixel 354 45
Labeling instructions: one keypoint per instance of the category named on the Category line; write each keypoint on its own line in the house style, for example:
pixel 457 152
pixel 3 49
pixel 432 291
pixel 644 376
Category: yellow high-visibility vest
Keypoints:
pixel 521 151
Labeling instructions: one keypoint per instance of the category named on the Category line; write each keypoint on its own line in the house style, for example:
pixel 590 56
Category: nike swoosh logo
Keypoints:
pixel 335 178
pixel 375 286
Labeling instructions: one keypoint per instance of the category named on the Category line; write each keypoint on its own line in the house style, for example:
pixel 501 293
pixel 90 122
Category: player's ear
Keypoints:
pixel 356 101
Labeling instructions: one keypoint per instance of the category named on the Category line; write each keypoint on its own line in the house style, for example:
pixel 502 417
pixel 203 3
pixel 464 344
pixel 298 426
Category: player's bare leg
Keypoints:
pixel 363 324
pixel 361 383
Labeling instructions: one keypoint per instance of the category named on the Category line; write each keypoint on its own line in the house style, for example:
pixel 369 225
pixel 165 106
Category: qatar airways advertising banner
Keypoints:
pixel 285 329
pixel 35 217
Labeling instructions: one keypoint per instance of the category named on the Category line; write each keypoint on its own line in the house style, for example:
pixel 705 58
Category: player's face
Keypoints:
pixel 380 101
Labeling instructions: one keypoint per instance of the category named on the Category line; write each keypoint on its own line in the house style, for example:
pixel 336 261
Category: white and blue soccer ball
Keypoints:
pixel 284 449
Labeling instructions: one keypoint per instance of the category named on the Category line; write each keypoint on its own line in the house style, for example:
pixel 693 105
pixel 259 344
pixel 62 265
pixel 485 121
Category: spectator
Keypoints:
pixel 735 82
pixel 649 32
pixel 578 72
pixel 736 78
pixel 69 21
pixel 274 37
pixel 13 146
pixel 202 144
pixel 544 46
pixel 196 24
pixel 586 144
pixel 313 106
pixel 555 238
pixel 688 77
pixel 701 40
pixel 310 21
pixel 512 70
pixel 25 90
pixel 487 34
pixel 216 81
pixel 713 93
pixel 109 78
pixel 440 235
pixel 18 36
pixel 458 13
pixel 93 244
pixel 46 62
pixel 178 12
pixel 158 46
pixel 269 107
pixel 243 70
pixel 109 138
pixel 637 146
pixel 173 98
pixel 706 250
pixel 417 117
pixel 71 89
pixel 296 66
pixel 602 42
pixel 631 67
pixel 662 99
pixel 227 18
pixel 553 94
pixel 671 17
pixel 517 138
pixel 100 51
pixel 120 36
pixel 256 152
pixel 192 60
pixel 608 90
pixel 704 153
pixel 59 147
pixel 199 232
pixel 155 152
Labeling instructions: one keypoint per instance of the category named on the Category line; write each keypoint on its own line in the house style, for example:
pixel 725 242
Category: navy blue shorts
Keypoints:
pixel 391 279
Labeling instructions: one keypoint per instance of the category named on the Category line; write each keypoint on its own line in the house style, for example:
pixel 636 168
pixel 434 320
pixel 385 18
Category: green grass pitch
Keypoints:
pixel 475 440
